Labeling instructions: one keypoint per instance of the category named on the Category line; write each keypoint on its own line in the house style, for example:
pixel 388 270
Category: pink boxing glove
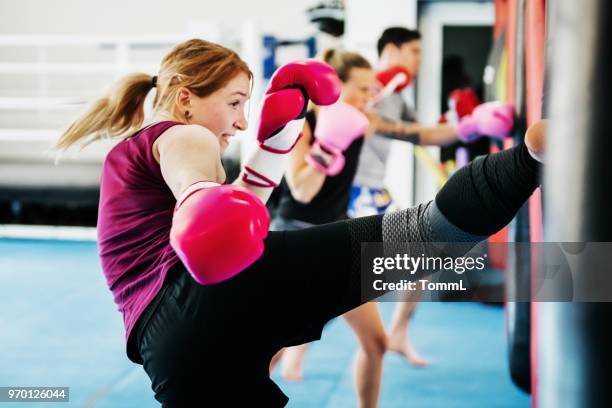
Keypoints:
pixel 467 129
pixel 218 230
pixel 492 119
pixel 282 117
pixel 495 119
pixel 326 159
pixel 338 125
pixel 316 78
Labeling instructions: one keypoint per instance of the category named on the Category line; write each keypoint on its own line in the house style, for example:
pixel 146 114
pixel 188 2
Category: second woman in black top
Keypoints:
pixel 310 197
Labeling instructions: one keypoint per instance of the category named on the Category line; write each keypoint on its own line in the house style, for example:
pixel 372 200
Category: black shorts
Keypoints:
pixel 212 345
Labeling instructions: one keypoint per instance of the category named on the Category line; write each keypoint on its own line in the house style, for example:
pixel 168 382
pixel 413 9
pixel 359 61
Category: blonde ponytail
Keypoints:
pixel 115 114
pixel 343 61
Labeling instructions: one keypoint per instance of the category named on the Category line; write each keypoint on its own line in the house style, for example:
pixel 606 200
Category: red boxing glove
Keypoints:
pixel 462 102
pixel 278 110
pixel 218 230
pixel 282 116
pixel 397 78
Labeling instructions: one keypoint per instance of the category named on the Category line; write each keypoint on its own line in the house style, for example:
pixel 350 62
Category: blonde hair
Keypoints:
pixel 343 61
pixel 200 66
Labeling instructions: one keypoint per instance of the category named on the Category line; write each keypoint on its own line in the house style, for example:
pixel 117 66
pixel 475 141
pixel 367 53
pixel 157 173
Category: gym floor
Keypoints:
pixel 60 327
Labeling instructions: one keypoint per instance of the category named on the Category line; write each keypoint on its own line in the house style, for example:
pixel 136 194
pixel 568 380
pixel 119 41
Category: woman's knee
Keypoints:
pixel 374 345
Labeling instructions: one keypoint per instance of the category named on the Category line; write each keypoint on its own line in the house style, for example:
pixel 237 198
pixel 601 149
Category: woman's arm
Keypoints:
pixel 304 181
pixel 187 154
pixel 217 230
pixel 281 121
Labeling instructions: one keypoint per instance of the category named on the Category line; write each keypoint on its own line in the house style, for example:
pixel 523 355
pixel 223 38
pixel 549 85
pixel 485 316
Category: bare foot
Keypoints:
pixel 293 363
pixel 535 139
pixel 275 359
pixel 400 344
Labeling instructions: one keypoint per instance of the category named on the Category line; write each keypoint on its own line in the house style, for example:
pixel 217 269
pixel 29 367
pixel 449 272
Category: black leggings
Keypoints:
pixel 211 345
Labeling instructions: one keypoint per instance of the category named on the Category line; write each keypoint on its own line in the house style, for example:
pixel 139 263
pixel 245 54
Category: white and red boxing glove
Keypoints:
pixel 461 102
pixel 282 117
pixel 396 78
pixel 218 230
pixel 338 125
pixel 392 80
pixel 492 119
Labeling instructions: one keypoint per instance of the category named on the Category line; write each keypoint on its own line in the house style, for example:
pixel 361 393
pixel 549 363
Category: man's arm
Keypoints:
pixel 438 135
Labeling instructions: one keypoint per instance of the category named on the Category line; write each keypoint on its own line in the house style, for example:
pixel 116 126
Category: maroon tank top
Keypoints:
pixel 134 220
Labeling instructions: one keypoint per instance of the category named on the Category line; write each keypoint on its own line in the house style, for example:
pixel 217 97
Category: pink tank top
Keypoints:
pixel 134 220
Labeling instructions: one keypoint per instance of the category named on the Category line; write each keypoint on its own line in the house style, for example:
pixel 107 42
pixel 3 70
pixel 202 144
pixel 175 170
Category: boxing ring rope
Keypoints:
pixel 60 74
pixel 56 71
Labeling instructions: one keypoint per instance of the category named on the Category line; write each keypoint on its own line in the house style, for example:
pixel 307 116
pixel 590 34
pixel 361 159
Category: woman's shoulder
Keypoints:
pixel 186 138
pixel 186 133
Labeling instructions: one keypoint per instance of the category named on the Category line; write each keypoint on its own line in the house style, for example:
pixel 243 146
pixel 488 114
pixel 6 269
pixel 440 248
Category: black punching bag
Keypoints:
pixel 574 347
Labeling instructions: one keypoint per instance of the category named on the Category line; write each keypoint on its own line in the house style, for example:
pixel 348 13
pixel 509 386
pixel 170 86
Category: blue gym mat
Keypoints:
pixel 60 327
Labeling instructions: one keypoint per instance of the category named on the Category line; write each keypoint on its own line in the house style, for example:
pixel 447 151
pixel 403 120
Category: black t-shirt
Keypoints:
pixel 331 202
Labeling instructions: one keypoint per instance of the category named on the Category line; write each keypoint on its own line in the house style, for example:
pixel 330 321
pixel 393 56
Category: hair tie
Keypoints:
pixel 154 81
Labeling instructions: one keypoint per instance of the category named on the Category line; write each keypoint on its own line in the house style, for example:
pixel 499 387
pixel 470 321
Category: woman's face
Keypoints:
pixel 358 88
pixel 222 112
